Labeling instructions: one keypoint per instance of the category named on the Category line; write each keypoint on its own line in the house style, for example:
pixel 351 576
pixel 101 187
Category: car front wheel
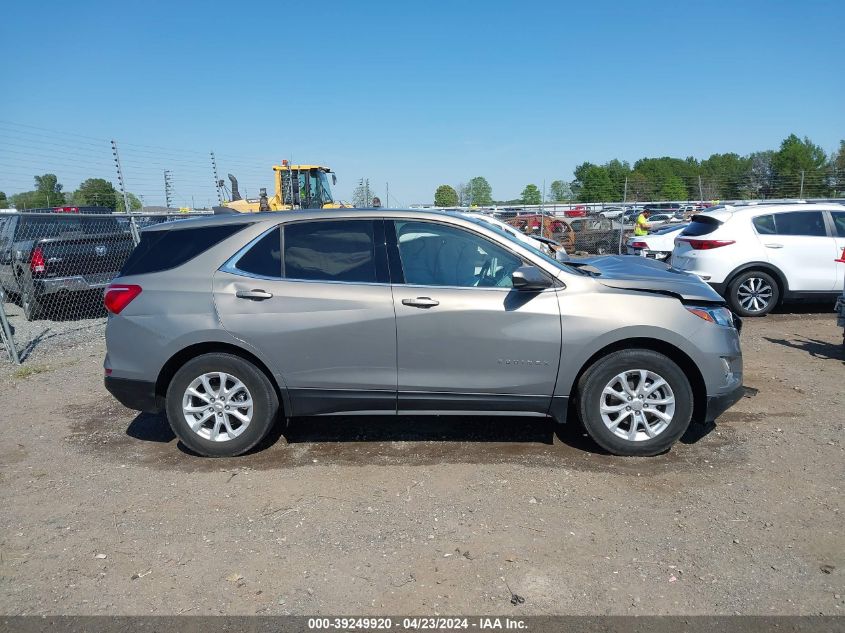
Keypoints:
pixel 221 405
pixel 635 402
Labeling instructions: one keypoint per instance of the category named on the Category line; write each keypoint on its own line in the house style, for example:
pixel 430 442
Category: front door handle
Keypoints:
pixel 421 302
pixel 774 245
pixel 254 295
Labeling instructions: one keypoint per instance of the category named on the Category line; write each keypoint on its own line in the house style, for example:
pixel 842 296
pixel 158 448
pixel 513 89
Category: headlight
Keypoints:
pixel 719 316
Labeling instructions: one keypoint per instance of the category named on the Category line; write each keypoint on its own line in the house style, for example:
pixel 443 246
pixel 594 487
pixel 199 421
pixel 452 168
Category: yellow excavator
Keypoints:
pixel 297 187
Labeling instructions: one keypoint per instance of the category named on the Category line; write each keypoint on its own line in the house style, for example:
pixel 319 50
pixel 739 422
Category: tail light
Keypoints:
pixel 118 296
pixel 639 245
pixel 706 245
pixel 36 262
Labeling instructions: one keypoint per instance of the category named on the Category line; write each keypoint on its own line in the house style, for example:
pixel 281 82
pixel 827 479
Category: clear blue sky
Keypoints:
pixel 412 93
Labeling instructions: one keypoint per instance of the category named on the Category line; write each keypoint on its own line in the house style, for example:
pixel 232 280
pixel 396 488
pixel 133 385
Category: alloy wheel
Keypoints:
pixel 637 405
pixel 755 294
pixel 217 406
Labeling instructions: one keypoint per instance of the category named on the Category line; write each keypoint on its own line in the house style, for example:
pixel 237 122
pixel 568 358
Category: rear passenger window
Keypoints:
pixel 839 222
pixel 765 224
pixel 808 223
pixel 264 258
pixel 330 250
pixel 163 250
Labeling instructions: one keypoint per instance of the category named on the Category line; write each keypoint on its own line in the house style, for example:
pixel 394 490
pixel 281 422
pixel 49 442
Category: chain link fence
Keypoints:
pixel 53 269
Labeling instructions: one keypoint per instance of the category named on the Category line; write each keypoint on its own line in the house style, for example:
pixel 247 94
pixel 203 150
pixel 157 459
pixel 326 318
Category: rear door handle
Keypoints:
pixel 254 295
pixel 774 245
pixel 421 302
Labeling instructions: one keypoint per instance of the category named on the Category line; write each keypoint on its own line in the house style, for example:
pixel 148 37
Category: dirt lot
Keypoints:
pixel 102 512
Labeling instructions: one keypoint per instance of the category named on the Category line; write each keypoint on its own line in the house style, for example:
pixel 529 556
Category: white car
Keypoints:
pixel 542 244
pixel 758 255
pixel 612 213
pixel 657 245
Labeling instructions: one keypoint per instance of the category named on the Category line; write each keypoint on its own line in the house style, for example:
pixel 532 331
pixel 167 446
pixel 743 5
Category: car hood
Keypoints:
pixel 640 273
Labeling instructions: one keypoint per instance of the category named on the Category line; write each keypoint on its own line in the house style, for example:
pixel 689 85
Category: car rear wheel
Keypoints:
pixel 635 402
pixel 221 405
pixel 753 293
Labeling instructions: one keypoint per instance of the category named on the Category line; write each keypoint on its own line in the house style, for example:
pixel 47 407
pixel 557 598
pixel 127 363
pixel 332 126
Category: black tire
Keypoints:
pixel 602 372
pixel 31 306
pixel 744 287
pixel 264 398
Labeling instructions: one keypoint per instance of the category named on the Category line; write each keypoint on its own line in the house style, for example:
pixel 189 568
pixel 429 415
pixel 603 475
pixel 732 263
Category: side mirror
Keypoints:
pixel 530 278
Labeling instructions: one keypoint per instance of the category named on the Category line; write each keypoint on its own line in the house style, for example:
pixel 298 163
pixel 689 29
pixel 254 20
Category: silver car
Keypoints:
pixel 230 323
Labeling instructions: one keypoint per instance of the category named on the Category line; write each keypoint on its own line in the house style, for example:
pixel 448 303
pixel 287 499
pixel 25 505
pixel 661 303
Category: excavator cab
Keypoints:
pixel 296 187
pixel 305 186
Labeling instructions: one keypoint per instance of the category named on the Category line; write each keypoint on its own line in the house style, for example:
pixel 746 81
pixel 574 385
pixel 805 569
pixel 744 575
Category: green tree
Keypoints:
pixel 445 196
pixel 617 171
pixel 639 187
pixel 596 186
pixel 48 193
pixel 4 202
pixel 134 202
pixel 531 195
pixel 724 176
pixel 97 192
pixel 797 159
pixel 560 191
pixel 837 165
pixel 673 189
pixel 480 192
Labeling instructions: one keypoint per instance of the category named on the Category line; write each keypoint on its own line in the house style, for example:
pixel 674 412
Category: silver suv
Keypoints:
pixel 228 323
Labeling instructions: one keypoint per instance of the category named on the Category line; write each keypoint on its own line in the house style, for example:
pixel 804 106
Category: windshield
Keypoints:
pixel 322 189
pixel 525 244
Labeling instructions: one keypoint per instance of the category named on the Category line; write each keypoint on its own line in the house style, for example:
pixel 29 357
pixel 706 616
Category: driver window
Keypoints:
pixel 438 255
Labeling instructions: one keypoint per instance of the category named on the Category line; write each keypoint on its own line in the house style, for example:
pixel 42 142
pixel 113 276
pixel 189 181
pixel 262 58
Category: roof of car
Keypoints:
pixel 292 216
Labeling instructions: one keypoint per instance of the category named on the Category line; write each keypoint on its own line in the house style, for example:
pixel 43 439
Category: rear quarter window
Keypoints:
pixel 701 225
pixel 163 250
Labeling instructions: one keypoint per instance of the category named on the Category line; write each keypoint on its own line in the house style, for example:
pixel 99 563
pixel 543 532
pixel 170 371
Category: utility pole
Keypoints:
pixel 168 187
pixel 801 195
pixel 625 191
pixel 133 228
pixel 216 179
pixel 700 190
pixel 387 195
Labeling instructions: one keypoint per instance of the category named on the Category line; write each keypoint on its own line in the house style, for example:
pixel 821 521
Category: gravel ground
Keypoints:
pixel 104 512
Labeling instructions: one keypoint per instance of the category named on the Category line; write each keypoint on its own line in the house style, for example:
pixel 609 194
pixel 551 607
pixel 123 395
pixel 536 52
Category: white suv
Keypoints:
pixel 757 255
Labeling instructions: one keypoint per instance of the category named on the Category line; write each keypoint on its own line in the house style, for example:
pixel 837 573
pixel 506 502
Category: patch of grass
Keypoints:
pixel 25 371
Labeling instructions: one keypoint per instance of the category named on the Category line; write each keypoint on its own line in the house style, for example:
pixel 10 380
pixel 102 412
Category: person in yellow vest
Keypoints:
pixel 642 225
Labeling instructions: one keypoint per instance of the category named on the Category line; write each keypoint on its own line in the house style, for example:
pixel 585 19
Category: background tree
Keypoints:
pixel 794 157
pixel 837 163
pixel 596 186
pixel 724 176
pixel 462 189
pixel 134 203
pixel 97 192
pixel 48 193
pixel 480 192
pixel 560 191
pixel 445 196
pixel 760 175
pixel 4 202
pixel 673 189
pixel 617 171
pixel 531 195
pixel 639 187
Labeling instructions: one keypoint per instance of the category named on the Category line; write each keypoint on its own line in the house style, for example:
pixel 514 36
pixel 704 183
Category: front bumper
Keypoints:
pixel 134 394
pixel 717 405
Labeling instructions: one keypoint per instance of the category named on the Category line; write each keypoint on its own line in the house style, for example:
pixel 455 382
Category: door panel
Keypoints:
pixel 320 336
pixel 466 339
pixel 802 249
pixel 477 341
pixel 838 218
